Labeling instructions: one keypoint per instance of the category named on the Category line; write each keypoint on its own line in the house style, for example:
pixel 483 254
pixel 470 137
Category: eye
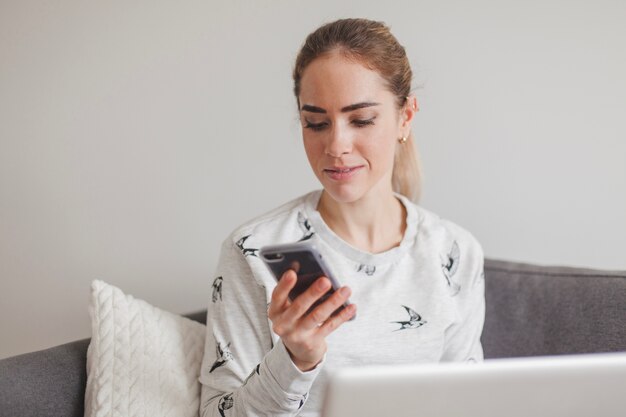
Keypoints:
pixel 363 123
pixel 315 126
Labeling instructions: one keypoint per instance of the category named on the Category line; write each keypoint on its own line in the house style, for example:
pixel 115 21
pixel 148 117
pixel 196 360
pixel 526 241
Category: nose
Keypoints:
pixel 339 142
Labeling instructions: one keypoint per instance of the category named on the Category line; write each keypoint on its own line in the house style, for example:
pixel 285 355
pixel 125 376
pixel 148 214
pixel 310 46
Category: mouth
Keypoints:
pixel 342 173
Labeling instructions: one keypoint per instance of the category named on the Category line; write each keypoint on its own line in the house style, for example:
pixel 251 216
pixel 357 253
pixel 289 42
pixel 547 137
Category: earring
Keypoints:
pixel 413 105
pixel 402 140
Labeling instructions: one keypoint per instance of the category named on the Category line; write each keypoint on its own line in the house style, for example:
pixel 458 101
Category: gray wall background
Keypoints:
pixel 134 136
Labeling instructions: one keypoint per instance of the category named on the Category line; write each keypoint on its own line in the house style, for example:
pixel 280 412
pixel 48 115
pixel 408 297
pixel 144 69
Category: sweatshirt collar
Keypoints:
pixel 336 243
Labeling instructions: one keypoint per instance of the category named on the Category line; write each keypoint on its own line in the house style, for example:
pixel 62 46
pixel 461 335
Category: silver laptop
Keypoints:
pixel 592 385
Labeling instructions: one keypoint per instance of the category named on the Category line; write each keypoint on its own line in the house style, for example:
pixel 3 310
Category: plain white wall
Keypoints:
pixel 134 136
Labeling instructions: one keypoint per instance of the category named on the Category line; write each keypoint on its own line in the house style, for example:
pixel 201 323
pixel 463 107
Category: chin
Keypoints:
pixel 344 193
pixel 358 189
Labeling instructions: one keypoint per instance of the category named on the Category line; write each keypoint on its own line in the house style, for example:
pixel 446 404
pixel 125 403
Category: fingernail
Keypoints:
pixel 322 284
pixel 345 291
pixel 349 311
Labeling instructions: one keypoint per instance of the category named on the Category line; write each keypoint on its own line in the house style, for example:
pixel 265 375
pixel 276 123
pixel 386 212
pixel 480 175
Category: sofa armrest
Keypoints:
pixel 49 382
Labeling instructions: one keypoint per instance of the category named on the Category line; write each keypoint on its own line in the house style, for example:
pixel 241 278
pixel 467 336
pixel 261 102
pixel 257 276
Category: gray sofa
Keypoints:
pixel 531 310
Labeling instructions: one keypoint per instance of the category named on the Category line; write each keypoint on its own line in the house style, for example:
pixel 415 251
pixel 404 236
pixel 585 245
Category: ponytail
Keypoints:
pixel 407 177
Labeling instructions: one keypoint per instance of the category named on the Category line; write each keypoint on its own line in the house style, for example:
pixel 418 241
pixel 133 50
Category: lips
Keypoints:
pixel 342 173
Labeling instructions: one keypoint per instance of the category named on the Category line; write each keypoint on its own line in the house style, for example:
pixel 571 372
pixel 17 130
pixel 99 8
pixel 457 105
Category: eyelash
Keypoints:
pixel 321 126
pixel 363 123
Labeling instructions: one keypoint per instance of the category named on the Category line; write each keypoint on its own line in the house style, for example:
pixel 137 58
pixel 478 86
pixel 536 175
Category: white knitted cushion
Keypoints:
pixel 142 361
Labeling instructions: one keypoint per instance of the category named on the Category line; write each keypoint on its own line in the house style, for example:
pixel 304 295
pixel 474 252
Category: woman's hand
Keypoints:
pixel 304 335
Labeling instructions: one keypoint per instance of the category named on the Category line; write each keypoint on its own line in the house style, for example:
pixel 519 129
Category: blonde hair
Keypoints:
pixel 372 44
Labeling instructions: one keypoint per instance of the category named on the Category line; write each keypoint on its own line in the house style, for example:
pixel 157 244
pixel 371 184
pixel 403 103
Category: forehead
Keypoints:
pixel 334 81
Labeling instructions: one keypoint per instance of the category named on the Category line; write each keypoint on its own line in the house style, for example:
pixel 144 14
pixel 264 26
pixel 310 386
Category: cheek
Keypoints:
pixel 313 149
pixel 382 145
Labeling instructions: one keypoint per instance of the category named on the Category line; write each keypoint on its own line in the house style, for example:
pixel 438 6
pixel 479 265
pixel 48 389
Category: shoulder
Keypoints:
pixel 436 227
pixel 454 244
pixel 285 223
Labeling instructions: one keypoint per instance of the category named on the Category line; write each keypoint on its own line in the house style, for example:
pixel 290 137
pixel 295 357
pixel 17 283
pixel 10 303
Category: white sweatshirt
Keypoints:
pixel 420 302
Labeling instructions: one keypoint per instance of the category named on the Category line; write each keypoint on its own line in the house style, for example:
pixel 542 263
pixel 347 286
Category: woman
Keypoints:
pixel 416 279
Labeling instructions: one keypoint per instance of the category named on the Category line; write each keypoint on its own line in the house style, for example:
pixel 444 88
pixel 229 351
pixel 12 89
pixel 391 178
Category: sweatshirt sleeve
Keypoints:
pixel 462 338
pixel 244 373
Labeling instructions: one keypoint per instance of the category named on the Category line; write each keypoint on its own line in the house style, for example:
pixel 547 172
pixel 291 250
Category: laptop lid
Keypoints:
pixel 556 386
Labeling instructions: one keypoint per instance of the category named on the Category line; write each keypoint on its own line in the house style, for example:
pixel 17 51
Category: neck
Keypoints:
pixel 372 224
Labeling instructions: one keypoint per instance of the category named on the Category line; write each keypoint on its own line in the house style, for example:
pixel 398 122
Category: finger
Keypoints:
pixel 337 320
pixel 280 296
pixel 304 301
pixel 322 312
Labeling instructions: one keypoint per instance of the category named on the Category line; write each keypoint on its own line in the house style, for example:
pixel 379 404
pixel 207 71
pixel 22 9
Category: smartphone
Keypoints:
pixel 306 261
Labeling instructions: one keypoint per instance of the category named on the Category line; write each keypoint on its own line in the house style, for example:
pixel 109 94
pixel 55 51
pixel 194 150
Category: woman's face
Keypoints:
pixel 350 125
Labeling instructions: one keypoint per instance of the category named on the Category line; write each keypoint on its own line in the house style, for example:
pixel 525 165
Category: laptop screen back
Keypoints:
pixel 557 386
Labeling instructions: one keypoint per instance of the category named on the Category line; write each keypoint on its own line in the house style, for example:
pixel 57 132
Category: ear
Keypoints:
pixel 407 113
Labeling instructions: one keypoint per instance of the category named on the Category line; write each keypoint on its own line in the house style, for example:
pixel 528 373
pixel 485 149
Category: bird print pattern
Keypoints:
pixel 300 399
pixel 223 356
pixel 246 251
pixel 305 226
pixel 449 266
pixel 369 270
pixel 217 289
pixel 303 400
pixel 226 403
pixel 415 320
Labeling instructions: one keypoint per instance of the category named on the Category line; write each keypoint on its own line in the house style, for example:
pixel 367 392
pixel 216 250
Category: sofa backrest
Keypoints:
pixel 531 310
pixel 535 310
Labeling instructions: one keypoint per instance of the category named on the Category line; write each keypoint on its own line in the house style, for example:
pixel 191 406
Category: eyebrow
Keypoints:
pixel 351 107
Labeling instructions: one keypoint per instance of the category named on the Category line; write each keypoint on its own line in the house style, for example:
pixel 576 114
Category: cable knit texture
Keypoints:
pixel 142 361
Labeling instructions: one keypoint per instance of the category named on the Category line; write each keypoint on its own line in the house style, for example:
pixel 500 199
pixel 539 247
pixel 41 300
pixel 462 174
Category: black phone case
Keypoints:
pixel 305 260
